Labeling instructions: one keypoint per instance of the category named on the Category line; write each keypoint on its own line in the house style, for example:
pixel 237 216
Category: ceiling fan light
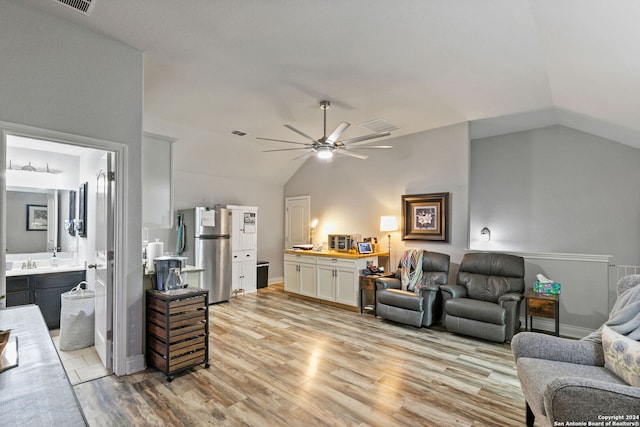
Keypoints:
pixel 325 153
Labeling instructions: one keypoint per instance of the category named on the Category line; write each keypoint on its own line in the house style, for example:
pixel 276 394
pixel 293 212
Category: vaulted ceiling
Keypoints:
pixel 212 67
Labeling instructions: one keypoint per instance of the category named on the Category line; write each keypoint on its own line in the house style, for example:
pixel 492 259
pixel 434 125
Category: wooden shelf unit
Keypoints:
pixel 177 330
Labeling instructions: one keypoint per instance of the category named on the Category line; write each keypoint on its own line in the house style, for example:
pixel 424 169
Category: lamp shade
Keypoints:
pixel 388 223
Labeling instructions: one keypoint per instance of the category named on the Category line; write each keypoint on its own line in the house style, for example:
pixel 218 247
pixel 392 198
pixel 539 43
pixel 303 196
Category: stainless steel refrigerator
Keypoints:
pixel 203 236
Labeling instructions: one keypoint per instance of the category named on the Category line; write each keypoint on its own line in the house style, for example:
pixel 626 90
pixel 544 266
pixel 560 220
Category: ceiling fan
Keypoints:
pixel 326 146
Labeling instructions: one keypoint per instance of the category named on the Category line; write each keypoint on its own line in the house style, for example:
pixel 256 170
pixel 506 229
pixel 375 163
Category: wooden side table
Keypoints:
pixel 541 305
pixel 368 283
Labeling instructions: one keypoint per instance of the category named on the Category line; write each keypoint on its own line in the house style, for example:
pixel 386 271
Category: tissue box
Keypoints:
pixel 546 288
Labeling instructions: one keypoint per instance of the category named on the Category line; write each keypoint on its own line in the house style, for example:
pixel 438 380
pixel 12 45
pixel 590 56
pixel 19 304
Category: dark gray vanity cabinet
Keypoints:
pixel 44 290
pixel 18 291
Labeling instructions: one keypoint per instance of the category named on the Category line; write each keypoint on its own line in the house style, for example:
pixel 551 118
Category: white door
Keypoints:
pixel 104 259
pixel 296 231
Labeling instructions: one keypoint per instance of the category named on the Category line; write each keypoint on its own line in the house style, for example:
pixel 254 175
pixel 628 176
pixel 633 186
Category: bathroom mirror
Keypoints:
pixel 21 240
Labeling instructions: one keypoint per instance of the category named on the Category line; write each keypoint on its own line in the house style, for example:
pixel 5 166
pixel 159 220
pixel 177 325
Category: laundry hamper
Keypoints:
pixel 77 318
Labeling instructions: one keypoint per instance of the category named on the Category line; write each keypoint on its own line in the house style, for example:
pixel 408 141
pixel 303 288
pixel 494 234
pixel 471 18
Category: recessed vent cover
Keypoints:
pixel 84 6
pixel 379 125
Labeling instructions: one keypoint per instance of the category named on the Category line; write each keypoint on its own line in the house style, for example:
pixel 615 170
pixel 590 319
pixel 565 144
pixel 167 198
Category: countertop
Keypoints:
pixel 333 254
pixel 43 270
pixel 37 391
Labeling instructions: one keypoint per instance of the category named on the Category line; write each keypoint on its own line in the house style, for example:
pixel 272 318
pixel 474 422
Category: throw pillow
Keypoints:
pixel 621 356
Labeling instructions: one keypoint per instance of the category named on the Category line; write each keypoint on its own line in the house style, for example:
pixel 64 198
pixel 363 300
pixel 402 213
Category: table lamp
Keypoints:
pixel 389 223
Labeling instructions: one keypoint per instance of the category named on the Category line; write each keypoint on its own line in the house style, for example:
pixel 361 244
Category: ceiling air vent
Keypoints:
pixel 379 125
pixel 84 6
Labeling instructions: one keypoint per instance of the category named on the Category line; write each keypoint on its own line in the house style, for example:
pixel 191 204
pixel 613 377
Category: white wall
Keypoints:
pixel 349 195
pixel 558 190
pixel 58 76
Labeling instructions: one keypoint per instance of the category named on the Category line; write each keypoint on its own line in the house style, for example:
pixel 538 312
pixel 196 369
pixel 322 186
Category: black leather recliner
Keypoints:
pixel 411 308
pixel 485 301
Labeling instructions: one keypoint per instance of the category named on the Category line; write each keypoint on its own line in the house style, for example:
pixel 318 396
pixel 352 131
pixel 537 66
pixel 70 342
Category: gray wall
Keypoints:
pixel 207 190
pixel 556 190
pixel 349 195
pixel 62 77
pixel 19 240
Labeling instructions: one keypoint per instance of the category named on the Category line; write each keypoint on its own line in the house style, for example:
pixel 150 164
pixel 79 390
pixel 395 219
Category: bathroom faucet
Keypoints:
pixel 29 264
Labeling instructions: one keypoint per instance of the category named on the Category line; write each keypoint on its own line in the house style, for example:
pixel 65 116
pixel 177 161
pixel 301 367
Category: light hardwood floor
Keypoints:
pixel 280 361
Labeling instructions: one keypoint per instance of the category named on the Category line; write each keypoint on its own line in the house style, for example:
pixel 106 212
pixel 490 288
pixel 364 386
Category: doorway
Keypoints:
pixel 18 143
pixel 296 228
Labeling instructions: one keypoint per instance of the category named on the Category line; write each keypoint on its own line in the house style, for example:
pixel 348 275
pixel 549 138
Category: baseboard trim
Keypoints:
pixel 324 302
pixel 276 280
pixel 135 364
pixel 547 325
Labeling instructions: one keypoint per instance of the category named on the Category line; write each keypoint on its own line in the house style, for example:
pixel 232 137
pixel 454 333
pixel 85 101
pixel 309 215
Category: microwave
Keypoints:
pixel 344 242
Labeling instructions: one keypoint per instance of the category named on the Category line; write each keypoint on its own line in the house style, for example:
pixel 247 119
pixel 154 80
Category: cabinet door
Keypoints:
pixel 18 291
pixel 307 279
pixel 248 276
pixel 291 282
pixel 326 282
pixel 236 273
pixel 347 286
pixel 48 291
pixel 49 301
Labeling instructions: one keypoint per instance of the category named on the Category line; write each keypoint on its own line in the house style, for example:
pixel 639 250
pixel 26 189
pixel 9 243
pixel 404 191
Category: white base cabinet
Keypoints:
pixel 328 278
pixel 300 275
pixel 244 271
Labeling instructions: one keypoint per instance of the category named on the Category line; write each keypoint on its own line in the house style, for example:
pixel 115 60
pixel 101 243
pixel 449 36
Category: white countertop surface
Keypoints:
pixel 45 269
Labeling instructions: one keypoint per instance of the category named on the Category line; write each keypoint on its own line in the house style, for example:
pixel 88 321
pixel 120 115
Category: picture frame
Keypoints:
pixel 365 248
pixel 426 217
pixel 37 217
pixel 82 209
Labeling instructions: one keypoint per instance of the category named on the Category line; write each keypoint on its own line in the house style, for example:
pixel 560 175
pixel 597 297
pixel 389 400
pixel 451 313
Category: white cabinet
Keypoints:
pixel 300 275
pixel 244 227
pixel 328 278
pixel 338 279
pixel 157 164
pixel 244 245
pixel 243 271
pixel 326 282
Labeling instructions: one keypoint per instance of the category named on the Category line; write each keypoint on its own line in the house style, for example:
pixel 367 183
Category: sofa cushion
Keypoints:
pixel 621 356
pixel 399 298
pixel 482 311
pixel 535 374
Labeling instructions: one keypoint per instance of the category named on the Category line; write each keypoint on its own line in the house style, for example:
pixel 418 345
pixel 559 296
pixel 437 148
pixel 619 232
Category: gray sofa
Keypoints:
pixel 411 308
pixel 566 380
pixel 485 301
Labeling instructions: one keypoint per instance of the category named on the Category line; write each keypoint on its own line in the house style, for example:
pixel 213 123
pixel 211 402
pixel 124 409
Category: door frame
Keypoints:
pixel 120 316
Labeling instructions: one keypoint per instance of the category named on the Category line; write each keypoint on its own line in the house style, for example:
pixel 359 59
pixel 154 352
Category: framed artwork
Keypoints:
pixel 37 217
pixel 426 217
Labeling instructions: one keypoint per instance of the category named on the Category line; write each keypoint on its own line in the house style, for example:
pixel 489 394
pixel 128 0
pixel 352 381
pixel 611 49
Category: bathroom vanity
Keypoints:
pixel 43 287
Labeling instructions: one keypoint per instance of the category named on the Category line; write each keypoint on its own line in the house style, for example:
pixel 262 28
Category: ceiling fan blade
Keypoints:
pixel 356 155
pixel 299 132
pixel 361 139
pixel 360 147
pixel 335 135
pixel 284 149
pixel 282 140
pixel 305 156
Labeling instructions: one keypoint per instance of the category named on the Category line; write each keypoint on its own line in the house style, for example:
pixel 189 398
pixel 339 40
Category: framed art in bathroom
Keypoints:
pixel 37 217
